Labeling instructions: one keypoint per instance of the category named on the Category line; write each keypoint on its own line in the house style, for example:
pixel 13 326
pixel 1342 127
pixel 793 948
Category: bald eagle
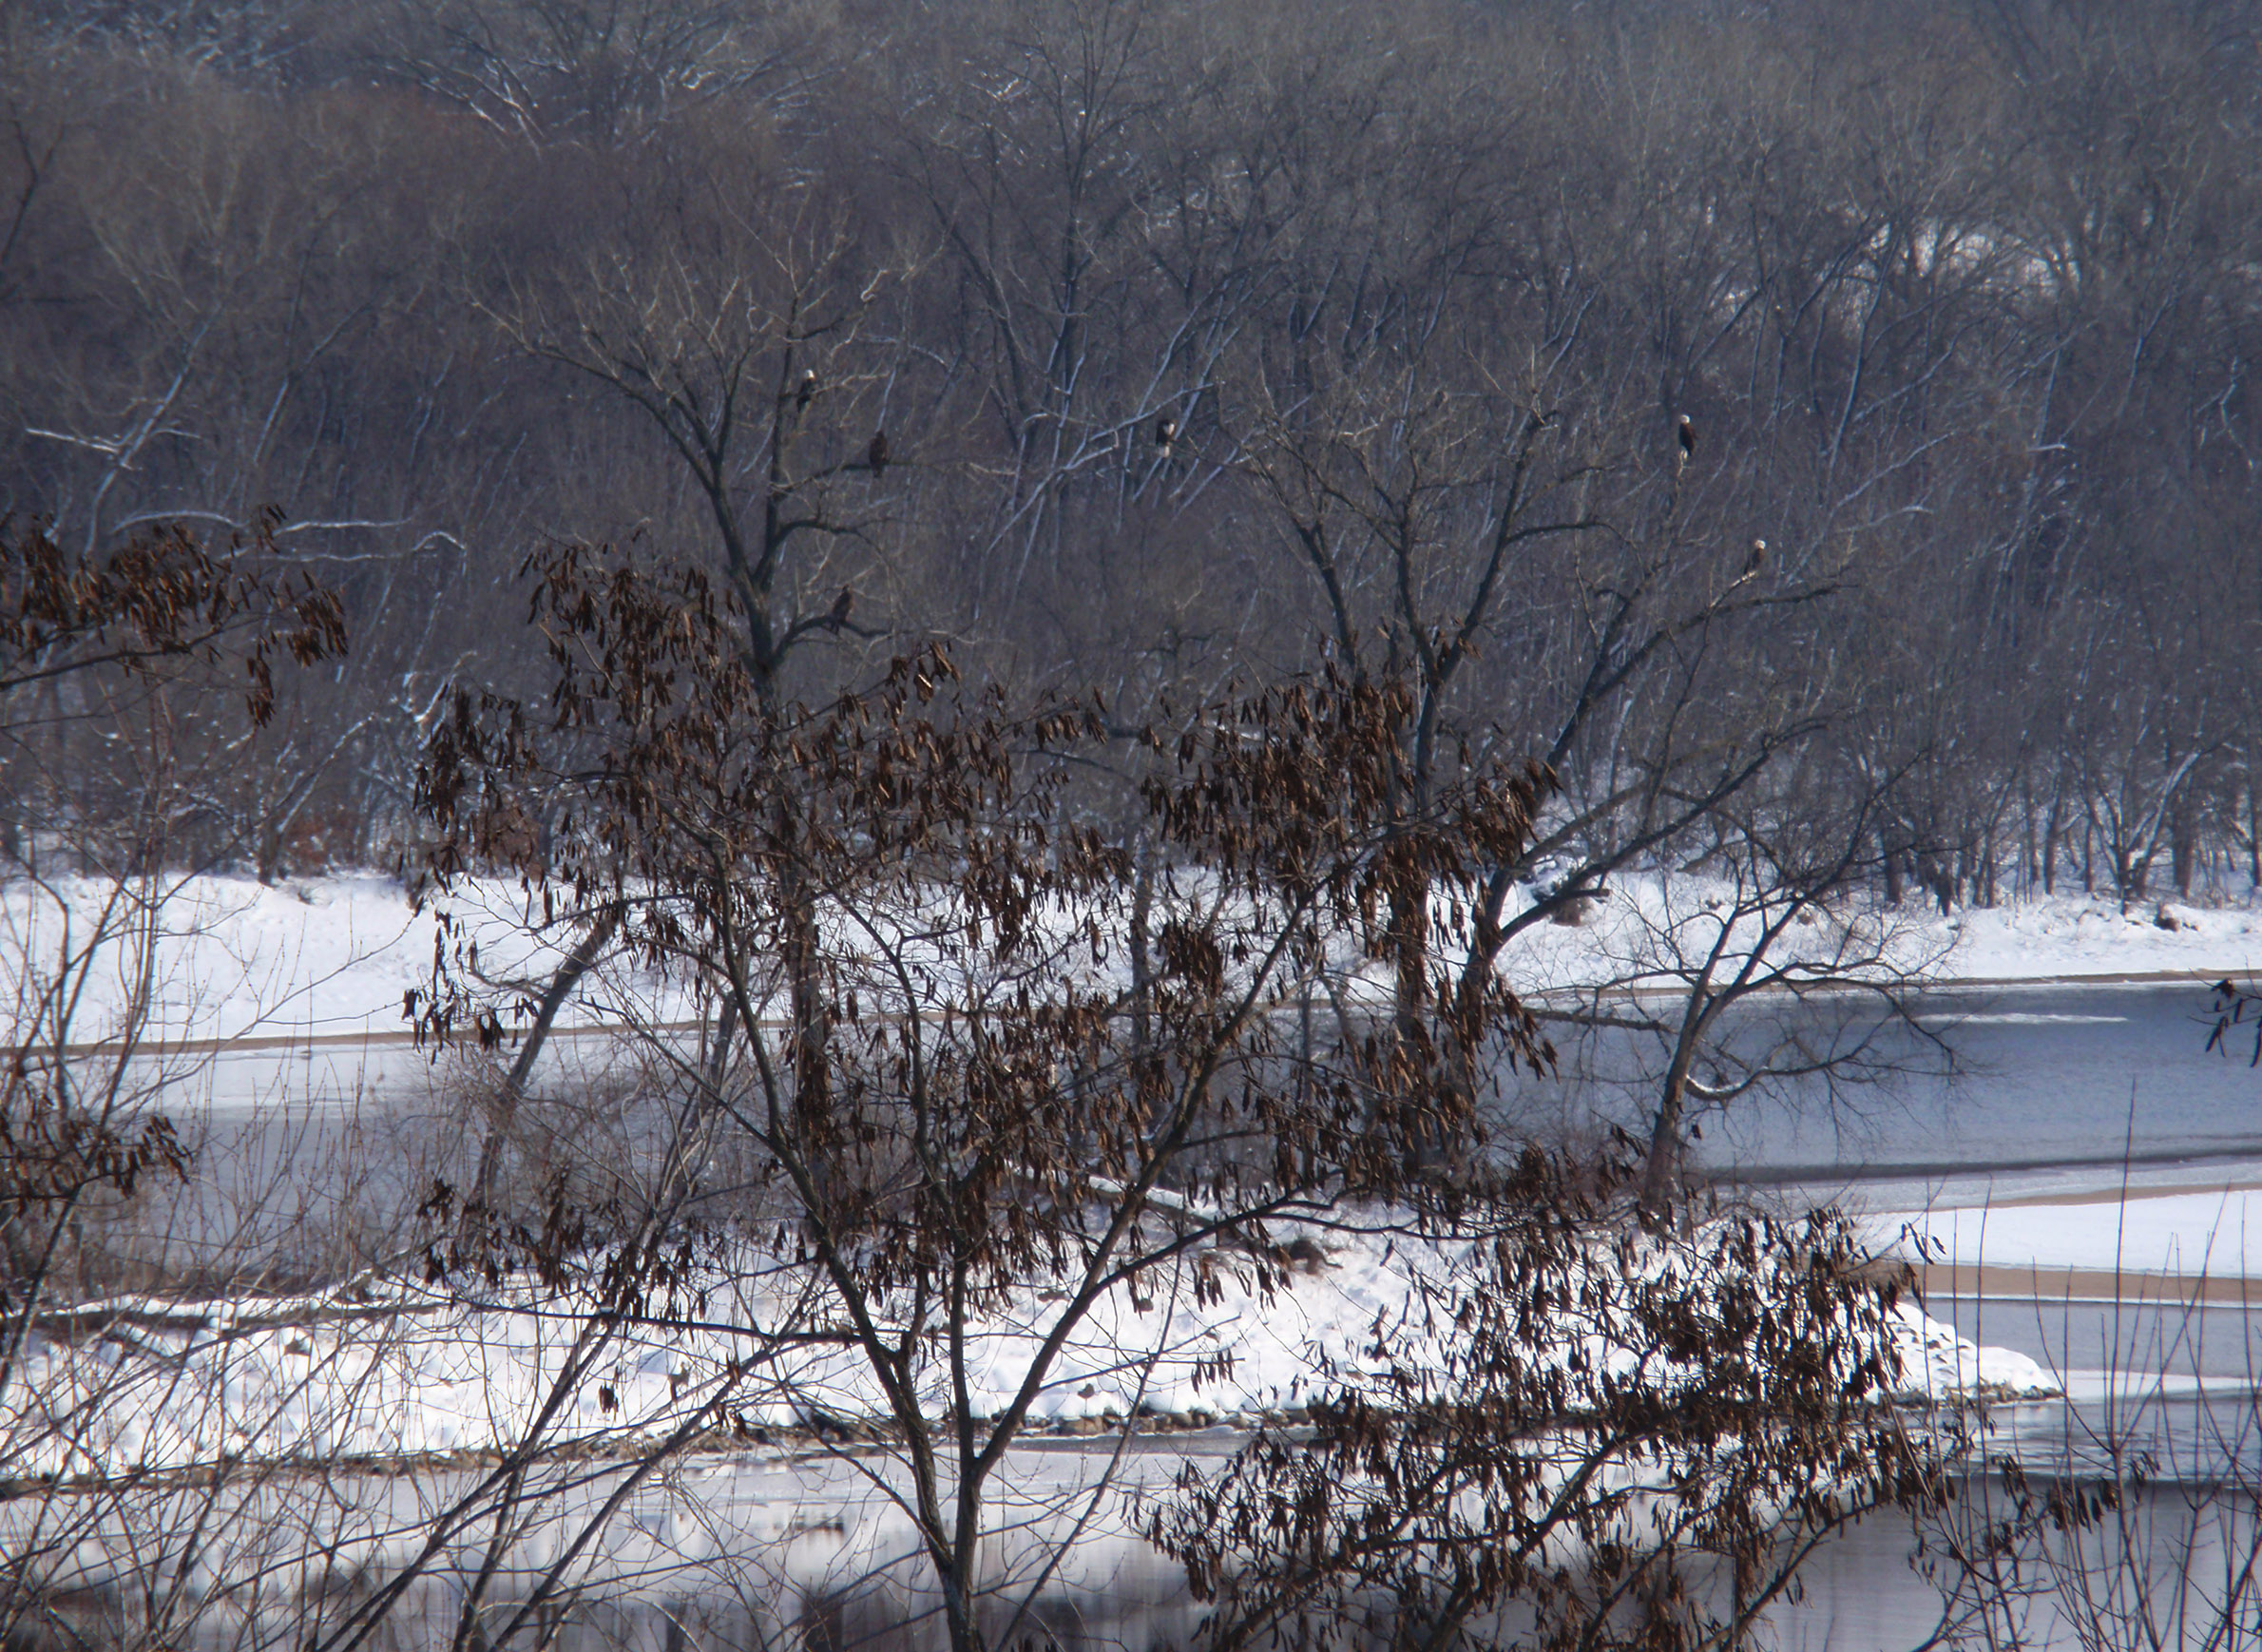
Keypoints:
pixel 1166 432
pixel 875 456
pixel 1685 434
pixel 807 392
pixel 1757 560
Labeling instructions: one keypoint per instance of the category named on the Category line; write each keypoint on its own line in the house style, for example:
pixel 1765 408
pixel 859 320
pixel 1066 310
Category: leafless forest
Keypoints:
pixel 1823 426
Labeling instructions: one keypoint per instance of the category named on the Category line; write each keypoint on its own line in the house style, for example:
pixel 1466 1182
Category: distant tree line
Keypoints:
pixel 1819 433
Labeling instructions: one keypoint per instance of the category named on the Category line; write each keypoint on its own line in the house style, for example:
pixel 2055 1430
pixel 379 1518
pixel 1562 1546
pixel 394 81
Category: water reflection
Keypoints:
pixel 819 1556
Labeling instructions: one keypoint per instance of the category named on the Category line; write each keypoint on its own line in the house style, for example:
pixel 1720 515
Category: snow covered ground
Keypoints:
pixel 2180 1236
pixel 408 1372
pixel 1649 918
pixel 2071 937
pixel 332 956
pixel 231 959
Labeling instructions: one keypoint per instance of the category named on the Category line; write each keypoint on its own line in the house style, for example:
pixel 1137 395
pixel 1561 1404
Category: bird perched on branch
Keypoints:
pixel 807 392
pixel 1756 560
pixel 840 609
pixel 1685 434
pixel 875 456
pixel 1166 432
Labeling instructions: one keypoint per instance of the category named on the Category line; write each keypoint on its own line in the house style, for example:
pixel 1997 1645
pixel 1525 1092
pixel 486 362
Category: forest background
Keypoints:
pixel 1145 347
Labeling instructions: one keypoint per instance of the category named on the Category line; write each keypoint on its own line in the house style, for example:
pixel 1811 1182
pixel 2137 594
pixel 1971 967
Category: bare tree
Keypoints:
pixel 602 73
pixel 987 1080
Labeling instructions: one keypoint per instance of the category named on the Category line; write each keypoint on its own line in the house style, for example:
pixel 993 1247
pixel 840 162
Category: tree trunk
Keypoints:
pixel 2254 836
pixel 577 963
pixel 1409 920
pixel 1661 1175
pixel 2052 828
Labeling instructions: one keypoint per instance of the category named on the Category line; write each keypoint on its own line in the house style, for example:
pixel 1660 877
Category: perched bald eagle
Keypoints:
pixel 1757 560
pixel 875 456
pixel 807 392
pixel 1685 434
pixel 1166 432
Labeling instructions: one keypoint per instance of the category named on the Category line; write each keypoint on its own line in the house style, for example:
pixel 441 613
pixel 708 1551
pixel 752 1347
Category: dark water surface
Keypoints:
pixel 2030 1089
pixel 815 1557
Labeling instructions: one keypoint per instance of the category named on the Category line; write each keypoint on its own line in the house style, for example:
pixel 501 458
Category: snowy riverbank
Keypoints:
pixel 230 959
pixel 402 1372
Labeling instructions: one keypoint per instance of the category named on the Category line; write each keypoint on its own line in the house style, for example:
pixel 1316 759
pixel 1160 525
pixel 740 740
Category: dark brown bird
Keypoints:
pixel 841 605
pixel 1685 434
pixel 1757 560
pixel 875 456
pixel 1166 432
pixel 807 393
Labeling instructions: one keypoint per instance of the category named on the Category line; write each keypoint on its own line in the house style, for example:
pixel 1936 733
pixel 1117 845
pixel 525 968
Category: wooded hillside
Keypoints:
pixel 1142 345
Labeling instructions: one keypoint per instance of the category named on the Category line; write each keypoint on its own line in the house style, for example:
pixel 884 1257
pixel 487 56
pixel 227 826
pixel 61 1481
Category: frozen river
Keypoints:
pixel 2003 1091
pixel 2052 1083
pixel 2022 1093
